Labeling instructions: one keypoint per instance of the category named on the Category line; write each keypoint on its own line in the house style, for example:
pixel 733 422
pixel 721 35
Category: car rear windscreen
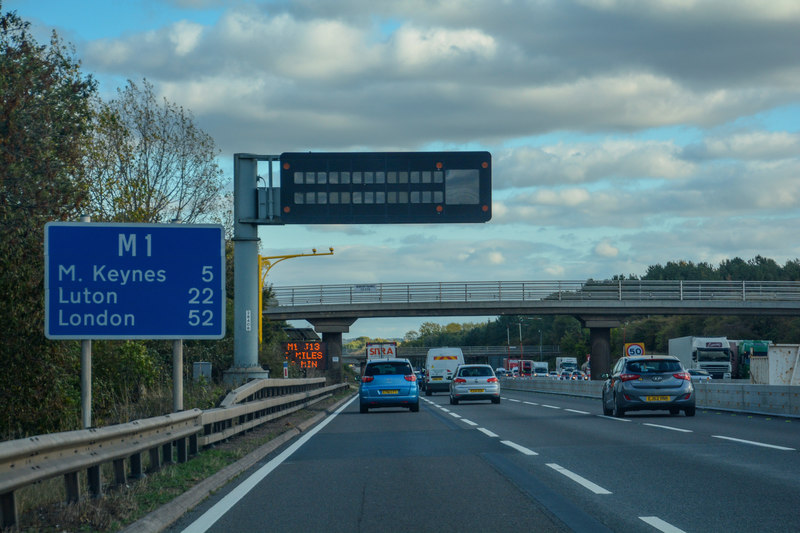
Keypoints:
pixel 388 368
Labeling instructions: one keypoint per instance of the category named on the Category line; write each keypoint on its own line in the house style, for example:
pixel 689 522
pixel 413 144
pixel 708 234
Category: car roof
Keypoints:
pixel 385 359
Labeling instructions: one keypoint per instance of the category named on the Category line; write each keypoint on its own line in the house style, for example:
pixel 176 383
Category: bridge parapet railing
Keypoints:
pixel 511 291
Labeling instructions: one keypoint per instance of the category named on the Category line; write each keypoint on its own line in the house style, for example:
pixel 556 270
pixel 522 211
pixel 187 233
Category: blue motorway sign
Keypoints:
pixel 134 281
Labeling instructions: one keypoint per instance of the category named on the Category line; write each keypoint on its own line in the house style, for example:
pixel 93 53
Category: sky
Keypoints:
pixel 623 133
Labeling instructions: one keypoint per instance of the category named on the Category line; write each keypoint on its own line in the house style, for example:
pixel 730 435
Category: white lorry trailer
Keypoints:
pixel 712 354
pixel 566 364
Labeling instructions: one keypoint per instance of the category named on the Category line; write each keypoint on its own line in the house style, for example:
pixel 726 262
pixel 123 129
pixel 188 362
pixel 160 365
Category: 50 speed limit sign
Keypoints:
pixel 633 349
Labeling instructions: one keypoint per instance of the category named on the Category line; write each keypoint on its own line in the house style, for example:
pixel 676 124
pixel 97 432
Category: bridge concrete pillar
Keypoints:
pixel 600 341
pixel 331 330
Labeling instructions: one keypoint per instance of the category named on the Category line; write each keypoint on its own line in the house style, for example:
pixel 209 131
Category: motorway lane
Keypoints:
pixel 677 469
pixel 388 470
pixel 517 465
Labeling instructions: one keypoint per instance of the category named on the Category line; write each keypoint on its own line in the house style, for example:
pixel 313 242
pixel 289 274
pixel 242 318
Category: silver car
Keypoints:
pixel 648 383
pixel 474 382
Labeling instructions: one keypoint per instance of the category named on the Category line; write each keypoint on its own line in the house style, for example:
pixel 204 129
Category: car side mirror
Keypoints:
pixel 604 376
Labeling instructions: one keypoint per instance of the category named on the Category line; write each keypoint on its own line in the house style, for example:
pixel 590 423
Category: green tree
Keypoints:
pixel 45 117
pixel 149 162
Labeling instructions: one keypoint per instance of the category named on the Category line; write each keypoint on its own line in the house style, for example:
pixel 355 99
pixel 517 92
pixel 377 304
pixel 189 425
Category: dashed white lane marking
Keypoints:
pixel 470 422
pixel 445 410
pixel 754 443
pixel 669 427
pixel 614 418
pixel 660 525
pixel 487 432
pixel 576 411
pixel 550 406
pixel 513 400
pixel 519 448
pixel 455 415
pixel 531 403
pixel 597 489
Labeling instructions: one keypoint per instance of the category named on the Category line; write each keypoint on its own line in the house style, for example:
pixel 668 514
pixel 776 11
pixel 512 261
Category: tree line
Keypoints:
pixel 65 152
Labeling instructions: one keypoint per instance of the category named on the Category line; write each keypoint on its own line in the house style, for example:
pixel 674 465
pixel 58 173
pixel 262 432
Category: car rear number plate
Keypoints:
pixel 390 391
pixel 436 378
pixel 476 390
pixel 657 398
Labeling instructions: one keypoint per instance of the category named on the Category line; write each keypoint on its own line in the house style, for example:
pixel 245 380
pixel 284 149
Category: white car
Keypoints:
pixel 699 375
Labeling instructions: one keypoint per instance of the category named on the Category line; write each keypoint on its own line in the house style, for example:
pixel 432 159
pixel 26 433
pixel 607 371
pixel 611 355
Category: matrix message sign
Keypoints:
pixel 385 187
pixel 134 281
pixel 306 354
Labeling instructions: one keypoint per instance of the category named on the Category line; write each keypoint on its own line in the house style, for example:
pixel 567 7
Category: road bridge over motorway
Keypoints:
pixel 599 304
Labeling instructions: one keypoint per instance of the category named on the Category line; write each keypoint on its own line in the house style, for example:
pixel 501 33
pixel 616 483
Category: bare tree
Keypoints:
pixel 150 163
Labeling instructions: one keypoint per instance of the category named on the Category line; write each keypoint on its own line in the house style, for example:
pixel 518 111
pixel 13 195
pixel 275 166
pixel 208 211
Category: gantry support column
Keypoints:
pixel 332 329
pixel 245 273
pixel 600 340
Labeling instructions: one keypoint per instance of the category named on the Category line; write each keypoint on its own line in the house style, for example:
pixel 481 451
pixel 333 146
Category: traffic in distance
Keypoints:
pixel 636 383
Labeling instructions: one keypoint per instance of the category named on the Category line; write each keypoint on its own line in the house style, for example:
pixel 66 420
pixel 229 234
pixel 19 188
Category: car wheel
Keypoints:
pixel 427 392
pixel 606 410
pixel 689 411
pixel 453 401
pixel 364 409
pixel 618 412
pixel 414 408
pixel 674 411
pixel 496 400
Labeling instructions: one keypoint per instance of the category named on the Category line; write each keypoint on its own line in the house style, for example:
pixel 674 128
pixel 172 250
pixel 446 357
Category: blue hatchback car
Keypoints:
pixel 388 383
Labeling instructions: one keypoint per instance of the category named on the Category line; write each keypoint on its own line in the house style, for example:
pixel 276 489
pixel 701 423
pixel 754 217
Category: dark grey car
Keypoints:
pixel 648 383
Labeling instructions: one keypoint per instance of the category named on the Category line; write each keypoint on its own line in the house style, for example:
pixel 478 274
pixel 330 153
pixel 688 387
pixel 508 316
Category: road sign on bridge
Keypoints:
pixel 385 187
pixel 134 281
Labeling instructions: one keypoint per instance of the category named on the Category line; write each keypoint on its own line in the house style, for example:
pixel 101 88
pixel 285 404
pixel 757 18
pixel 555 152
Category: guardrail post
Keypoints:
pixel 72 487
pixel 95 481
pixel 136 466
pixel 119 472
pixel 155 460
pixel 166 454
pixel 182 455
pixel 8 510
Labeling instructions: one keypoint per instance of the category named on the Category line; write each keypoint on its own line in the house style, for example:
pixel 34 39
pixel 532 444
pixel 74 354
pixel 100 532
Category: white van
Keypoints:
pixel 440 367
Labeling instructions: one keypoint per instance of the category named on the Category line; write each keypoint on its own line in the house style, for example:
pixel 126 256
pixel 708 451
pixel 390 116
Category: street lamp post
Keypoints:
pixel 540 345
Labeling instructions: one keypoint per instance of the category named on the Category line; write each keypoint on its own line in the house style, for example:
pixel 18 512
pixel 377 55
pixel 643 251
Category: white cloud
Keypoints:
pixel 605 249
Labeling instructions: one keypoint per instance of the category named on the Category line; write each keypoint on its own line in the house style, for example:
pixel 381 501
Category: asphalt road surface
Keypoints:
pixel 535 462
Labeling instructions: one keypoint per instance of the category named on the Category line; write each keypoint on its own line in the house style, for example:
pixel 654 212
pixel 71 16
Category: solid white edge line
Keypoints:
pixel 210 517
pixel 519 448
pixel 660 525
pixel 754 443
pixel 668 427
pixel 470 422
pixel 487 432
pixel 597 489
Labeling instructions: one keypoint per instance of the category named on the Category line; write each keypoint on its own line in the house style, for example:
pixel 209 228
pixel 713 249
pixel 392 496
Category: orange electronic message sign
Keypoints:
pixel 306 354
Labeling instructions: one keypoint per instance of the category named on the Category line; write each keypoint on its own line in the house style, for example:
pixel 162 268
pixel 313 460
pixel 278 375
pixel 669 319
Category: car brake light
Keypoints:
pixel 410 377
pixel 628 377
pixel 367 379
pixel 683 375
pixel 459 380
pixel 491 380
